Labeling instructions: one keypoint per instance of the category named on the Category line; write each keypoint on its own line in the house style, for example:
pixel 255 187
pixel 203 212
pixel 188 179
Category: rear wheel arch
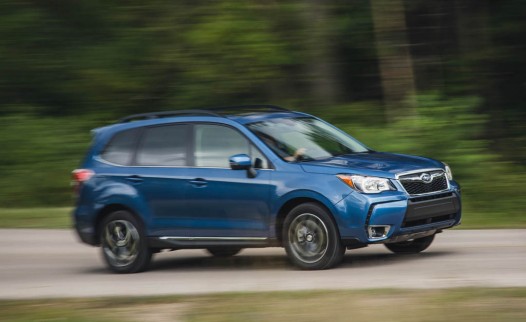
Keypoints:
pixel 124 245
pixel 109 209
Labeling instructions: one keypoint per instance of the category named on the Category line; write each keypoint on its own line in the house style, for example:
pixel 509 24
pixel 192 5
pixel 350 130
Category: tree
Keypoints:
pixel 394 56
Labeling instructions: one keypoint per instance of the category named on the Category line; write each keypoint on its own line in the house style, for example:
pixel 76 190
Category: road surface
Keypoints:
pixel 53 263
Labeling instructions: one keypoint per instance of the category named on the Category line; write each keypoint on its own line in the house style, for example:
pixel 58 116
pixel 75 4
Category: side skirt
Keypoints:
pixel 180 242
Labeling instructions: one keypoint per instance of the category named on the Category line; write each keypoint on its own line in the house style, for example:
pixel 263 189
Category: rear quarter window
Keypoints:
pixel 121 147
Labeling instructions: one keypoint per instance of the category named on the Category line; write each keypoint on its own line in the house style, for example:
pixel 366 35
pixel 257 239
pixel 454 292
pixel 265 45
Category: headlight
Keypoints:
pixel 366 184
pixel 449 174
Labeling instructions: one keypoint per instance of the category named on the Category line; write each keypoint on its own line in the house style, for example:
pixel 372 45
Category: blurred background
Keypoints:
pixel 443 79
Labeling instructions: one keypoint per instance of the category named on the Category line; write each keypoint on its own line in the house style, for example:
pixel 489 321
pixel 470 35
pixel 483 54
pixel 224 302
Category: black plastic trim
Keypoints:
pixel 87 238
pixel 353 243
pixel 157 242
pixel 431 211
pixel 213 111
pixel 155 115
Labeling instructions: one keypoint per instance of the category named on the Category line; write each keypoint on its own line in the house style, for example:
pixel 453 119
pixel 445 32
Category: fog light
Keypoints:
pixel 378 231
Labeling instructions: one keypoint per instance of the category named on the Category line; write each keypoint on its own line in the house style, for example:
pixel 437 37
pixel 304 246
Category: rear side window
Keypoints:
pixel 121 147
pixel 163 146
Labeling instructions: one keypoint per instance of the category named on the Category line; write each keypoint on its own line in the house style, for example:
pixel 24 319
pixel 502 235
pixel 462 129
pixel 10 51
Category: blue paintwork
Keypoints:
pixel 221 202
pixel 372 164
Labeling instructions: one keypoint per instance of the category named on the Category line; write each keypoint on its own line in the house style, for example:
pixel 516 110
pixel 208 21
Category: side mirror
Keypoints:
pixel 242 162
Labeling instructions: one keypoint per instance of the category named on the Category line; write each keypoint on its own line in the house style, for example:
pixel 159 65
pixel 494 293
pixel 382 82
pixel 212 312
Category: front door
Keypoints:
pixel 222 202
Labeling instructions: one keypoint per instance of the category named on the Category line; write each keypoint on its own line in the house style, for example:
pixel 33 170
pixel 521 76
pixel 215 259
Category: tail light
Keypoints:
pixel 80 176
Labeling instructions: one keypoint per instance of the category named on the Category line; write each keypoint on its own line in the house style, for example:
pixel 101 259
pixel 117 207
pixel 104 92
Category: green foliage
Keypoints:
pixel 38 155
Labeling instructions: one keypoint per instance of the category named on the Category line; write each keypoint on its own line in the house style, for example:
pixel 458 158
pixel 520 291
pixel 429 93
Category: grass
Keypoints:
pixel 472 304
pixel 35 217
pixel 61 218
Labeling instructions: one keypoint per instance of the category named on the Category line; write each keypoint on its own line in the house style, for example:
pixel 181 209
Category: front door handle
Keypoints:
pixel 198 182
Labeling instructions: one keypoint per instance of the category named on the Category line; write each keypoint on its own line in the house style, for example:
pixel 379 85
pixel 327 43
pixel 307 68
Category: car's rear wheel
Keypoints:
pixel 224 251
pixel 124 245
pixel 411 246
pixel 311 238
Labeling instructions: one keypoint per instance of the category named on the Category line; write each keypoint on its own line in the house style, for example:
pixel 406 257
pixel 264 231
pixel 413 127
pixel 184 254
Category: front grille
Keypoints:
pixel 414 185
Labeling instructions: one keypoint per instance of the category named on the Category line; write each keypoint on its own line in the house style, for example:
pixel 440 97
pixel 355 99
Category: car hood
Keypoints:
pixel 371 164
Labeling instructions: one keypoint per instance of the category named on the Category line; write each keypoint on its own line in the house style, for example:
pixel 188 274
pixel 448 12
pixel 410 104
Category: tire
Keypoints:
pixel 311 238
pixel 411 246
pixel 224 251
pixel 123 242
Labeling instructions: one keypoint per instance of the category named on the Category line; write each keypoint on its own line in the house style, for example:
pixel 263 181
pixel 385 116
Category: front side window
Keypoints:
pixel 120 149
pixel 163 146
pixel 296 139
pixel 215 144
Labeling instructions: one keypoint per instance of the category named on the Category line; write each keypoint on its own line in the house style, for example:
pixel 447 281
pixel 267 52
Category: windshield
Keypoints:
pixel 303 139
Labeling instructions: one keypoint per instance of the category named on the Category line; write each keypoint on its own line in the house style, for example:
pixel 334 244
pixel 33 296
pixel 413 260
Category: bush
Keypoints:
pixel 38 155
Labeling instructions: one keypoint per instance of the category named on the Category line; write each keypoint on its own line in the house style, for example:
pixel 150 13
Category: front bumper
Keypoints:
pixel 401 216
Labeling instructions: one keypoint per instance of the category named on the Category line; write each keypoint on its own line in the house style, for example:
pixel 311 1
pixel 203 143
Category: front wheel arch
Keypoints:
pixel 291 204
pixel 311 237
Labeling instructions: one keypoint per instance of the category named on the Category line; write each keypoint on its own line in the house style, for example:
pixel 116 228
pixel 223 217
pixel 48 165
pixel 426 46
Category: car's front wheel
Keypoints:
pixel 411 246
pixel 311 238
pixel 124 245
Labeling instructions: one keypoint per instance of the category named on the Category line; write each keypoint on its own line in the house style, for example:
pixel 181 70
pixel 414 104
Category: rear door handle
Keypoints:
pixel 198 182
pixel 135 179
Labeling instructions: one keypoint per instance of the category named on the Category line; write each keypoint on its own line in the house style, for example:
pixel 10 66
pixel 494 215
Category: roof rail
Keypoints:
pixel 214 111
pixel 155 115
pixel 249 108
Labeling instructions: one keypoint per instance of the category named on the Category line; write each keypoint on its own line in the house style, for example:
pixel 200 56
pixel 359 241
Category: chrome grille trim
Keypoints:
pixel 401 174
pixel 415 177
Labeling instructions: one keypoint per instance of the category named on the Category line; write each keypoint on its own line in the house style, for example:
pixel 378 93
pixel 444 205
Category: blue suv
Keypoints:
pixel 230 178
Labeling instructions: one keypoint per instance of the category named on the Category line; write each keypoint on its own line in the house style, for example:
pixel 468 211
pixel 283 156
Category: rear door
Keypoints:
pixel 160 175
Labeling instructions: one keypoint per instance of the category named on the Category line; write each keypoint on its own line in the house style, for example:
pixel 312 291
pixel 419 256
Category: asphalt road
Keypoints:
pixel 53 263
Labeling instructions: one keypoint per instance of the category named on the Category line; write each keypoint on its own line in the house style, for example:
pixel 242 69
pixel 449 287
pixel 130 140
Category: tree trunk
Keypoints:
pixel 321 71
pixel 395 62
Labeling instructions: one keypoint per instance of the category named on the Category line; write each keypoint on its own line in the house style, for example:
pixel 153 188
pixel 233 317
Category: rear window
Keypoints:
pixel 121 147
